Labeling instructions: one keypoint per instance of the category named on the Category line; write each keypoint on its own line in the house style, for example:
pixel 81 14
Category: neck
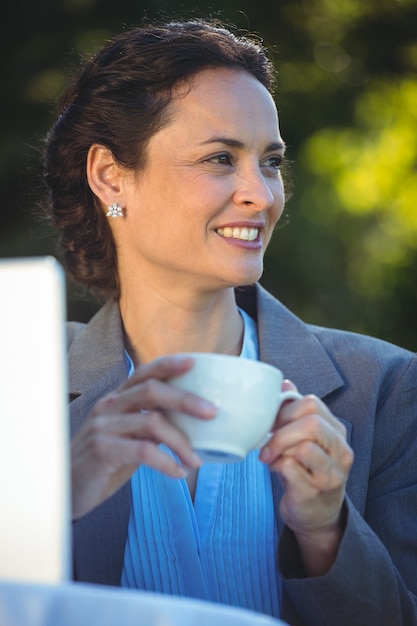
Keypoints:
pixel 156 325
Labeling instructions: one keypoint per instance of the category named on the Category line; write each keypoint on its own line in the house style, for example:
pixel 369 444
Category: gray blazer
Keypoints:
pixel 367 383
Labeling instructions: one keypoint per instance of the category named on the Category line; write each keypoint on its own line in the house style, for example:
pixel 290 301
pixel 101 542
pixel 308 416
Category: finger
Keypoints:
pixel 309 462
pixel 288 385
pixel 310 500
pixel 149 426
pixel 109 457
pixel 99 471
pixel 309 429
pixel 120 453
pixel 308 405
pixel 162 368
pixel 154 394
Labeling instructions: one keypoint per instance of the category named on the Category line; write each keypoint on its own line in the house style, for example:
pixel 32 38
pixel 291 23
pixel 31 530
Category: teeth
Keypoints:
pixel 247 234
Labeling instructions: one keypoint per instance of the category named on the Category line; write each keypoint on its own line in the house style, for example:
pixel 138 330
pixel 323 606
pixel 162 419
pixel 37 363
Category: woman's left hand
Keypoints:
pixel 310 453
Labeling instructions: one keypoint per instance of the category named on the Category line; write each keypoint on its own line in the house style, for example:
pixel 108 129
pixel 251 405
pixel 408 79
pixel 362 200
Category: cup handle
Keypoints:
pixel 290 394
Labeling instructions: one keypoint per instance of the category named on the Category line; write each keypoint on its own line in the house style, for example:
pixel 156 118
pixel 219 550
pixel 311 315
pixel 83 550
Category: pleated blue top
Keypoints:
pixel 220 548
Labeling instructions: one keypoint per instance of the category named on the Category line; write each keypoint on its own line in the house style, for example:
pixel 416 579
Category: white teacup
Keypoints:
pixel 247 395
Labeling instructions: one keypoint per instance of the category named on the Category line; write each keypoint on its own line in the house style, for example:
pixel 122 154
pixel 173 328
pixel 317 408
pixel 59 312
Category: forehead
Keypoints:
pixel 227 98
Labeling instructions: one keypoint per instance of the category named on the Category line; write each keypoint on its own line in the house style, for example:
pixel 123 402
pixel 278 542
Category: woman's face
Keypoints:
pixel 202 211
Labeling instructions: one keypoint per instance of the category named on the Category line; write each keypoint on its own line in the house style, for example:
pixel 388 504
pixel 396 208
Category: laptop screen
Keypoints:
pixel 34 429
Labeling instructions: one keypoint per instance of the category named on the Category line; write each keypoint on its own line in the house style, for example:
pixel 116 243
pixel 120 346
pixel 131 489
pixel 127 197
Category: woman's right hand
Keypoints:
pixel 125 428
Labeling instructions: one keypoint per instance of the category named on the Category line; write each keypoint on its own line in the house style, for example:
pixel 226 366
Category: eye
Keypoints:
pixel 273 162
pixel 222 159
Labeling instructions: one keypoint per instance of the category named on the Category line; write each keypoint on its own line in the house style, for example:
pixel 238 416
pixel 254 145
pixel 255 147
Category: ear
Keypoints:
pixel 104 175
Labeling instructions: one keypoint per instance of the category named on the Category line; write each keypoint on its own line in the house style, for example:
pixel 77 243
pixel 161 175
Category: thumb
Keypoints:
pixel 288 385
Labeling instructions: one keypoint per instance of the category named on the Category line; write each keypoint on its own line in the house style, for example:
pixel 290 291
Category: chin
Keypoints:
pixel 248 277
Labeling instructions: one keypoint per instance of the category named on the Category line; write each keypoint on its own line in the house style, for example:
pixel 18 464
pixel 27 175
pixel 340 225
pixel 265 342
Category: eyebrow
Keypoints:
pixel 234 143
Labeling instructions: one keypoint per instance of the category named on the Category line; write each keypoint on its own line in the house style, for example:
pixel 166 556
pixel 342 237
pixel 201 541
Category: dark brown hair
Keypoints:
pixel 120 100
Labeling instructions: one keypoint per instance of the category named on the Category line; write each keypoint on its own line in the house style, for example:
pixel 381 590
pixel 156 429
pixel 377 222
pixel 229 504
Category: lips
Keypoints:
pixel 243 233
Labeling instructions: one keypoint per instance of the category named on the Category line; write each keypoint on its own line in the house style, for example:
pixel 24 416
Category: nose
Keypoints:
pixel 254 189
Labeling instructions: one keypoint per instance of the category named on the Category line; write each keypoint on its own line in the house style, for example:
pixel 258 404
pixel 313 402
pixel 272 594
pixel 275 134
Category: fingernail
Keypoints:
pixel 180 358
pixel 208 408
pixel 265 454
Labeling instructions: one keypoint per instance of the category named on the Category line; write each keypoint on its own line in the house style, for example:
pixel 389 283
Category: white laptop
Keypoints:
pixel 34 430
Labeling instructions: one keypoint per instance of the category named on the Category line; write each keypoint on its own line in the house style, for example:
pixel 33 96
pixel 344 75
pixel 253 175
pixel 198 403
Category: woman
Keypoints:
pixel 164 176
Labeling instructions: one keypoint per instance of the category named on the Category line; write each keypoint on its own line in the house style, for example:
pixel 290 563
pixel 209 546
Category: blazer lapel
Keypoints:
pixel 291 345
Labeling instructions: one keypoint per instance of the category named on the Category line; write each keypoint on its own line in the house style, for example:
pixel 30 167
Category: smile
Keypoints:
pixel 245 234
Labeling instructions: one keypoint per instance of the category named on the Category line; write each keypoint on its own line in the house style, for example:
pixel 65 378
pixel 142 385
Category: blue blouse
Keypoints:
pixel 220 548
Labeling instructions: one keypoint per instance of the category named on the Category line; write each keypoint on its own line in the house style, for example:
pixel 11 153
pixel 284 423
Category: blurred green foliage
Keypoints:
pixel 345 253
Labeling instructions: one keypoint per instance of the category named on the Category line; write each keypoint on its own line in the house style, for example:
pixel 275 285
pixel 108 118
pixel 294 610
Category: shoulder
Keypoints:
pixel 353 344
pixel 358 359
pixel 370 361
pixel 337 340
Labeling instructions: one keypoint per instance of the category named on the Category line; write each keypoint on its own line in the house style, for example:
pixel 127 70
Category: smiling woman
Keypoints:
pixel 208 179
pixel 164 181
